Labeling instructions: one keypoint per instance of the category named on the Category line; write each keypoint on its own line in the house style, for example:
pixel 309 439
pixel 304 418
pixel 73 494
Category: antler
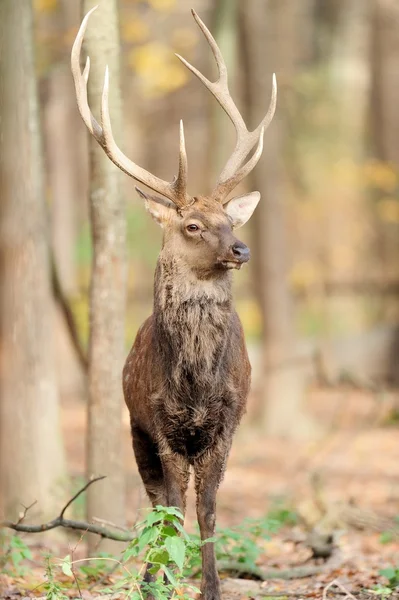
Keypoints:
pixel 176 190
pixel 234 171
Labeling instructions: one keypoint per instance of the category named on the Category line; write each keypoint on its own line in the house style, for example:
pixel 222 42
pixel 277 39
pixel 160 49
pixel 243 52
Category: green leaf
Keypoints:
pixel 148 535
pixel 66 566
pixel 386 537
pixel 169 531
pixel 180 528
pixel 153 517
pixel 157 556
pixel 130 551
pixel 389 573
pixel 171 510
pixel 170 576
pixel 177 550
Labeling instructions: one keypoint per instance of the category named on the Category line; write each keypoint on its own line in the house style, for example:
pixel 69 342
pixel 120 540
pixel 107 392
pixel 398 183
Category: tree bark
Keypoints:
pixel 31 452
pixel 108 283
pixel 61 159
pixel 269 44
pixel 348 256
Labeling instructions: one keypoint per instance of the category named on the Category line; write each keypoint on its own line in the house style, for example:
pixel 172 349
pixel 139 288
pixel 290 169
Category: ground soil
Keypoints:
pixel 356 459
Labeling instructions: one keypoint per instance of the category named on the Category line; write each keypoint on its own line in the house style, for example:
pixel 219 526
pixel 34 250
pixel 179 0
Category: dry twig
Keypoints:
pixel 119 536
pixel 342 588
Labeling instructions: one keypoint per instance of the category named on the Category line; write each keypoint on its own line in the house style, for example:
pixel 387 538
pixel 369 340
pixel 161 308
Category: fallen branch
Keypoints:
pixel 120 536
pixel 341 587
pixel 240 569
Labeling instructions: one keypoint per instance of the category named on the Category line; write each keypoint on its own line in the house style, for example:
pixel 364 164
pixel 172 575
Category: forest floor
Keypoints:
pixel 345 484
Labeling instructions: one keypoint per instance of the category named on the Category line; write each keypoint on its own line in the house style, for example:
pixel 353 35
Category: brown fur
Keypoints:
pixel 187 376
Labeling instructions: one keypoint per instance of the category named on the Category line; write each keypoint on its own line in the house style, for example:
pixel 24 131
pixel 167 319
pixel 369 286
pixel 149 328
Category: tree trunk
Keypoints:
pixel 108 283
pixel 62 160
pixel 269 44
pixel 62 144
pixel 31 453
pixel 346 209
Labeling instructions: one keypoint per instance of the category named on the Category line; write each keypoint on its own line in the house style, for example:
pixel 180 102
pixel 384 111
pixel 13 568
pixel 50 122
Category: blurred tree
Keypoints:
pixel 345 204
pixel 269 43
pixel 63 140
pixel 385 73
pixel 385 132
pixel 108 282
pixel 31 452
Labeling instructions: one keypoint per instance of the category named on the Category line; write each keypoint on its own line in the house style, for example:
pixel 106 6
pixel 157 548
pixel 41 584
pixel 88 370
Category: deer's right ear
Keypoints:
pixel 160 209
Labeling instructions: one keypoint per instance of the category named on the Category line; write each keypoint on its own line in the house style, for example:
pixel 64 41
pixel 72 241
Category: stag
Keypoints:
pixel 187 377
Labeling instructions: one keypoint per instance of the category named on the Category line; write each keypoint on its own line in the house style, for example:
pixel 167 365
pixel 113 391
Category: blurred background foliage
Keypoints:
pixel 320 298
pixel 328 183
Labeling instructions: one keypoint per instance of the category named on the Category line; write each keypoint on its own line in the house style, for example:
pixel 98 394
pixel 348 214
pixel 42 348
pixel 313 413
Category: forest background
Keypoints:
pixel 319 301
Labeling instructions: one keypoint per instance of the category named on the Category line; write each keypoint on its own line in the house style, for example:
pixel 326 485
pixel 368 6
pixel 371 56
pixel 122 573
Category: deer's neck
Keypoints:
pixel 192 315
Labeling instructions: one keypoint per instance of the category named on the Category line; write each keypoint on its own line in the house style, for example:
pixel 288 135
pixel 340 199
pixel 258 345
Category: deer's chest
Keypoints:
pixel 198 402
pixel 191 419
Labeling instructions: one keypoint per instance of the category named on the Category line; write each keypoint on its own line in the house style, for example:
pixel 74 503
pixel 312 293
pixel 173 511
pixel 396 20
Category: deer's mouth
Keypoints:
pixel 230 264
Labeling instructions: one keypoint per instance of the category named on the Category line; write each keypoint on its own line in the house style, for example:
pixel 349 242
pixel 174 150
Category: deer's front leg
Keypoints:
pixel 209 471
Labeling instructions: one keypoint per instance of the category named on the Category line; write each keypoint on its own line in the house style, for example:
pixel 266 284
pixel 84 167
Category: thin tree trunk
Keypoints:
pixel 345 205
pixel 61 136
pixel 31 452
pixel 268 40
pixel 108 283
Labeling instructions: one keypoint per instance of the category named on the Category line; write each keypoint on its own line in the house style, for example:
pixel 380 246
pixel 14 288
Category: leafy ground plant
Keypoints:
pixel 241 545
pixel 392 575
pixel 16 552
pixel 161 541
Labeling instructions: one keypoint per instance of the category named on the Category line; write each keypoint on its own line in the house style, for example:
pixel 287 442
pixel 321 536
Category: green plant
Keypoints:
pixel 392 574
pixel 162 541
pixel 384 591
pixel 241 544
pixel 381 590
pixel 16 552
pixel 166 550
pixel 53 588
pixel 95 569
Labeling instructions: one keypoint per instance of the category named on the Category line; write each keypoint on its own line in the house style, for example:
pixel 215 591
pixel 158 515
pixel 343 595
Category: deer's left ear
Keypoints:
pixel 240 209
pixel 160 209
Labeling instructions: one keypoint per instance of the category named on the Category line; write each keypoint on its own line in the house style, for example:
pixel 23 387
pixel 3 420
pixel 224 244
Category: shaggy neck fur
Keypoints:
pixel 193 320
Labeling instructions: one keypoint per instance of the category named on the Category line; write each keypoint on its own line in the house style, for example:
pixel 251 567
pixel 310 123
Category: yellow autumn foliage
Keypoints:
pixel 162 5
pixel 346 172
pixel 250 316
pixel 45 5
pixel 159 70
pixel 381 175
pixel 135 30
pixel 388 210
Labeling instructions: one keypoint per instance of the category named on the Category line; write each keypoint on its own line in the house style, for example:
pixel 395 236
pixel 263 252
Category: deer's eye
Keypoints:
pixel 192 227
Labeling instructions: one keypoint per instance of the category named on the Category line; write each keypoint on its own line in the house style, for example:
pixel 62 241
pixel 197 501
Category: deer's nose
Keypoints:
pixel 240 251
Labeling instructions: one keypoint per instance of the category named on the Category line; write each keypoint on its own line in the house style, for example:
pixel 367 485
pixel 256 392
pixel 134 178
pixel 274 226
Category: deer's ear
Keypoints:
pixel 240 209
pixel 160 209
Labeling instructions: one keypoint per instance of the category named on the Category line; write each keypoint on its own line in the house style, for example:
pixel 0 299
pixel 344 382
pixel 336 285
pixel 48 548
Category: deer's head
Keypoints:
pixel 200 229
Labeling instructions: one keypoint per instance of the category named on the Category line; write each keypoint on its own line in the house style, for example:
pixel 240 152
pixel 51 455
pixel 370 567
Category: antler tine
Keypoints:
pixel 232 174
pixel 218 88
pixel 223 188
pixel 176 190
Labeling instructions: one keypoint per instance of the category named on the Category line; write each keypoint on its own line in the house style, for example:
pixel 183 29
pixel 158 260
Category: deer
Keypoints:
pixel 187 377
